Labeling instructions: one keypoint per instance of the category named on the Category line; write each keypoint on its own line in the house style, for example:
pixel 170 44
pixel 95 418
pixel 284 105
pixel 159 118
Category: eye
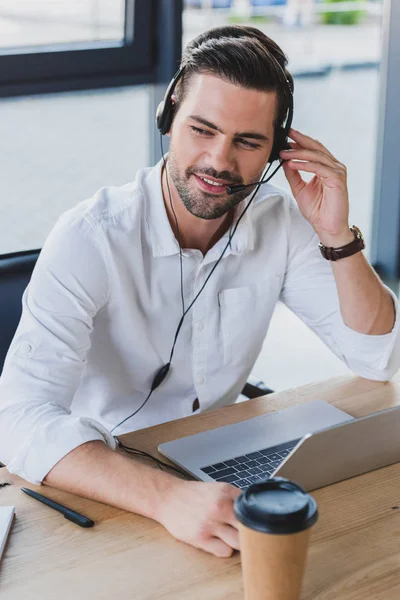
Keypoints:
pixel 247 144
pixel 199 131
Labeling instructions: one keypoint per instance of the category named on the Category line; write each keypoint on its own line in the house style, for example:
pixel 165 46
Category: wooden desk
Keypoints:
pixel 354 554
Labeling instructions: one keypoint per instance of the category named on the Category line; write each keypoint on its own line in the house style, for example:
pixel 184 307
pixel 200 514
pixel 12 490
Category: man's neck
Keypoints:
pixel 195 233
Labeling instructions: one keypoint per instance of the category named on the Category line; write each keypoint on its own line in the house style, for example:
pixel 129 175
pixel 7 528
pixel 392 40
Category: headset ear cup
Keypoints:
pixel 276 146
pixel 280 143
pixel 159 115
pixel 164 116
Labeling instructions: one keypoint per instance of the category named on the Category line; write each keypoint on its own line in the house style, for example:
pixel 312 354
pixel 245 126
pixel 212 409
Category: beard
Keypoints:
pixel 200 203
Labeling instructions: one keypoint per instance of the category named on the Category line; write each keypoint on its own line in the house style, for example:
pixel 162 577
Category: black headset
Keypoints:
pixel 165 114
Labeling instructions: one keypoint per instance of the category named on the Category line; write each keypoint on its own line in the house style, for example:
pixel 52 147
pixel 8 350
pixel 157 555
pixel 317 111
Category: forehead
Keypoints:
pixel 222 102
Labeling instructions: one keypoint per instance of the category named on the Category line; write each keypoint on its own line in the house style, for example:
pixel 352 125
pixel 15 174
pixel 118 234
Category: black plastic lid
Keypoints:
pixel 276 506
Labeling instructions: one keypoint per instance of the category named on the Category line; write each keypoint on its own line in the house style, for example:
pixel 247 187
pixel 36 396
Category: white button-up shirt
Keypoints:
pixel 104 301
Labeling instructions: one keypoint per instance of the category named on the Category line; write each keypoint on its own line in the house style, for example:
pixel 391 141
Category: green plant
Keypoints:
pixel 348 17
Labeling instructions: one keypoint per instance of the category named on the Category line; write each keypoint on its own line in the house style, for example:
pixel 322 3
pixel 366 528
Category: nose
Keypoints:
pixel 221 155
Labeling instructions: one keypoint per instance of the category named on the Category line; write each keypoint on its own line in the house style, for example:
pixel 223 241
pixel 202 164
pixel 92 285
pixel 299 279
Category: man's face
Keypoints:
pixel 223 133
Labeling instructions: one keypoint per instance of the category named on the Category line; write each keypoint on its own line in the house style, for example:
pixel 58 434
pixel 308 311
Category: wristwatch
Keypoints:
pixel 348 250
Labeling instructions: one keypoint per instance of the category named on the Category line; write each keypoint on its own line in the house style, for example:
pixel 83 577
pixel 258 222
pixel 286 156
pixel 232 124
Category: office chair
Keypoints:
pixel 15 272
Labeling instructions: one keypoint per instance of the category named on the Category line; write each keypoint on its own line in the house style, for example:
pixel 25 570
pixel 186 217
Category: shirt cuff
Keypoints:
pixel 369 347
pixel 50 443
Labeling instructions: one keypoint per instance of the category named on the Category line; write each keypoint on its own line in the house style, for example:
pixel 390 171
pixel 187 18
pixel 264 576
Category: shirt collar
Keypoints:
pixel 162 238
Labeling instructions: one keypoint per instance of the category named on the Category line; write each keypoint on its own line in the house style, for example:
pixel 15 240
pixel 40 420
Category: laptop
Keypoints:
pixel 314 444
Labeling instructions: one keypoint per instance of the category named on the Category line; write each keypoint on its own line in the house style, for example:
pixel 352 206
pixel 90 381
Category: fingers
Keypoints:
pixel 294 178
pixel 326 173
pixel 311 155
pixel 217 547
pixel 229 535
pixel 307 142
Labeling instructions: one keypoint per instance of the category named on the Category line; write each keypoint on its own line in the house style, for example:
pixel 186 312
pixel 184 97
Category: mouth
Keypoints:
pixel 210 185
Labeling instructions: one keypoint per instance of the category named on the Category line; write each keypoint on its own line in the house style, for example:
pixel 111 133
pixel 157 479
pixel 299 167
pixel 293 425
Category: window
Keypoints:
pixel 49 22
pixel 50 45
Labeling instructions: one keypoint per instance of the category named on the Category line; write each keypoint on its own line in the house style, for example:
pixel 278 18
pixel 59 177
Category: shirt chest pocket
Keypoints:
pixel 245 314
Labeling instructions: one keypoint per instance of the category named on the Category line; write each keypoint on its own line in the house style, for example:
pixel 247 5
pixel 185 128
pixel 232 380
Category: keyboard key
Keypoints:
pixel 254 479
pixel 241 459
pixel 250 465
pixel 229 479
pixel 242 474
pixel 265 452
pixel 284 453
pixel 231 463
pixel 275 463
pixel 219 466
pixel 269 471
pixel 254 455
pixel 273 456
pixel 255 471
pixel 208 470
pixel 263 461
pixel 243 483
pixel 222 473
pixel 266 474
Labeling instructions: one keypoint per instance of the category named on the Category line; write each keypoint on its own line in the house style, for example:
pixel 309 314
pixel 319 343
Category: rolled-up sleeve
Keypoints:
pixel 309 290
pixel 44 363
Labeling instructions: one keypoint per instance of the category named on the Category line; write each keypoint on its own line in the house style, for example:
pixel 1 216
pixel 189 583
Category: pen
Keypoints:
pixel 69 514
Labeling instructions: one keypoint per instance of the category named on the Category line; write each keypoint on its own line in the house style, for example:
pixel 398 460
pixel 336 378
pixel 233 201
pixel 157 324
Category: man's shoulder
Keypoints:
pixel 112 205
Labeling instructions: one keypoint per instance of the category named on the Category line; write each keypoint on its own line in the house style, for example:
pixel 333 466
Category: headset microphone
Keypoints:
pixel 232 189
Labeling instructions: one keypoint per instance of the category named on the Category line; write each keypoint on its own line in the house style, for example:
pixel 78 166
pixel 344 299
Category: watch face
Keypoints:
pixel 357 232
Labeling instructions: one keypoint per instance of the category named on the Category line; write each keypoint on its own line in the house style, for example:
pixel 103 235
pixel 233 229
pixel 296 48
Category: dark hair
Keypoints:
pixel 242 55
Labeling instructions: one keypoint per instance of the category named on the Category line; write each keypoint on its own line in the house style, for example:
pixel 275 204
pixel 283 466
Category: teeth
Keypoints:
pixel 212 182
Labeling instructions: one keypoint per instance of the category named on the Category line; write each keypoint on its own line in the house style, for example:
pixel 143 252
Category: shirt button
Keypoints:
pixel 200 380
pixel 25 348
pixel 200 326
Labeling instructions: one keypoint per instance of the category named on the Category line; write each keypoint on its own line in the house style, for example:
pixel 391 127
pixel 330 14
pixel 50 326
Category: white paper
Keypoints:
pixel 6 519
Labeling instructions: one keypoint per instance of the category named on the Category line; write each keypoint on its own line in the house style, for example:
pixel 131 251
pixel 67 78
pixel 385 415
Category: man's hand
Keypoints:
pixel 201 514
pixel 324 200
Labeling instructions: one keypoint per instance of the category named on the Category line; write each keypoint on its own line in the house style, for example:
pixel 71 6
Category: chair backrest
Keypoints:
pixel 15 272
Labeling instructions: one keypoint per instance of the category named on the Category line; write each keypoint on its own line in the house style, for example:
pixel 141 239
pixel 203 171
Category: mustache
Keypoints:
pixel 225 175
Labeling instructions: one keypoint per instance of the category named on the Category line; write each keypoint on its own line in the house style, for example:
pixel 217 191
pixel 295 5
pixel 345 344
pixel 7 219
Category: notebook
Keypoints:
pixel 6 520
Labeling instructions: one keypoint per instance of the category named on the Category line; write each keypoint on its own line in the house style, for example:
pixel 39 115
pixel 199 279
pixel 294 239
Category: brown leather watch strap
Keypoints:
pixel 348 250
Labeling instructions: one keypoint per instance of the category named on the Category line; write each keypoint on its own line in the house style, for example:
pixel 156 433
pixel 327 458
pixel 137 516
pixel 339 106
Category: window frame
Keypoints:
pixel 385 251
pixel 84 65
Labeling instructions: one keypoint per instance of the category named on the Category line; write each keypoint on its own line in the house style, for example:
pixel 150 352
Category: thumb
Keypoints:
pixel 294 178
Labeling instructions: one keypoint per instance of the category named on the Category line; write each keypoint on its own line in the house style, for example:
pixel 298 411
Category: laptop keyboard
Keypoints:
pixel 254 467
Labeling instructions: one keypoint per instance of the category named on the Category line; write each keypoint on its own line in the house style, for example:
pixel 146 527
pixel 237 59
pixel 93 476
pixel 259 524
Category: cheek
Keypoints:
pixel 182 142
pixel 251 168
pixel 185 149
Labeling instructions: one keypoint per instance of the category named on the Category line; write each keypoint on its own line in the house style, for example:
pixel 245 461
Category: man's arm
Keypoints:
pixel 365 304
pixel 95 471
pixel 198 513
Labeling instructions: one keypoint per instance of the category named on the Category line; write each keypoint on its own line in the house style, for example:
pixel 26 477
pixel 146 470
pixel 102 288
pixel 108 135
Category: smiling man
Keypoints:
pixel 151 301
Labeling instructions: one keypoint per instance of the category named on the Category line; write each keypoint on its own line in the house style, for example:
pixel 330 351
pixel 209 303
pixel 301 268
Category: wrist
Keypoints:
pixel 336 240
pixel 167 486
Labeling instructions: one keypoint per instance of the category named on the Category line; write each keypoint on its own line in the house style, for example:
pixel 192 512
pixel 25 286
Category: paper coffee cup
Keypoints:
pixel 275 519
